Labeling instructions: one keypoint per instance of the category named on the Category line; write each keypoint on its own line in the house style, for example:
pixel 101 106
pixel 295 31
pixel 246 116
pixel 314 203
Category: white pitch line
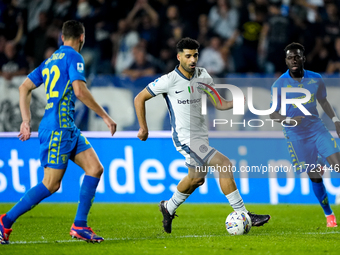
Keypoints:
pixel 114 239
pixel 159 237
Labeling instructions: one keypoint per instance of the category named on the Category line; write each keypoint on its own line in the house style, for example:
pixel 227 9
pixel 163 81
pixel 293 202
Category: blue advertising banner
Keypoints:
pixel 149 171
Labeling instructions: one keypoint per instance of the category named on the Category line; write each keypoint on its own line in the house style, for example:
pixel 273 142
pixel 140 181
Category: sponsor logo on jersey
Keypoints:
pixel 312 81
pixel 64 158
pixel 154 83
pixel 189 101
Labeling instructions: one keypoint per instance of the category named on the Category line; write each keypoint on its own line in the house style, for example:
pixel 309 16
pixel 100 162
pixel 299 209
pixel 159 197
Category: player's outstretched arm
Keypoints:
pixel 330 112
pixel 226 105
pixel 139 101
pixel 25 95
pixel 84 95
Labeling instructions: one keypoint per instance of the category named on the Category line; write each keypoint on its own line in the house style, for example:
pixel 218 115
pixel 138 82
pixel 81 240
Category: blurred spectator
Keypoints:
pixel 39 40
pixel 211 59
pixel 140 67
pixel 60 11
pixel 113 28
pixel 306 33
pixel 123 42
pixel 175 28
pixel 87 14
pixel 204 31
pixel 331 26
pixel 2 43
pixel 13 22
pixel 251 7
pixel 48 52
pixel 321 60
pixel 312 8
pixel 144 19
pixel 34 8
pixel 334 63
pixel 168 59
pixel 275 35
pixel 11 63
pixel 245 56
pixel 223 19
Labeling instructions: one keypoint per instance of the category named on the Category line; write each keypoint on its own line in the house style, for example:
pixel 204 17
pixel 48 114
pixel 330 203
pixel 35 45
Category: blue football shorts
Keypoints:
pixel 304 152
pixel 58 146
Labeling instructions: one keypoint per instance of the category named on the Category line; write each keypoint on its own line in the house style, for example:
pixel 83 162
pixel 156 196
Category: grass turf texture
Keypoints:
pixel 199 229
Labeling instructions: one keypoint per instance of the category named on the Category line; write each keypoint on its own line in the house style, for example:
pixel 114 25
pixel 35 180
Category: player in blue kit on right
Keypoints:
pixel 60 140
pixel 307 137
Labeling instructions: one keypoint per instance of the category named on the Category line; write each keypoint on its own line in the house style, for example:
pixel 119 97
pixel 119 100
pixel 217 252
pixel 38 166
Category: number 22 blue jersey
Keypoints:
pixel 57 73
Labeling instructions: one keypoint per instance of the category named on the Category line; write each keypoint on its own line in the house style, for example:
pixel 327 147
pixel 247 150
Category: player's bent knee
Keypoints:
pixel 96 171
pixel 52 186
pixel 196 182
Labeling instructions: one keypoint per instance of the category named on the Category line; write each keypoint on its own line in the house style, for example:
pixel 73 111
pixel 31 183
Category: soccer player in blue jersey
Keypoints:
pixel 307 137
pixel 60 140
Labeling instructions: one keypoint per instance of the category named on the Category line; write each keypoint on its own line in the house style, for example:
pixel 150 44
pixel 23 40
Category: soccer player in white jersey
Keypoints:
pixel 181 92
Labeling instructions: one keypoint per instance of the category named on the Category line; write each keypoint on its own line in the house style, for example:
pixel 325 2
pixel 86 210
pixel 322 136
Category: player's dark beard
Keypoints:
pixel 189 70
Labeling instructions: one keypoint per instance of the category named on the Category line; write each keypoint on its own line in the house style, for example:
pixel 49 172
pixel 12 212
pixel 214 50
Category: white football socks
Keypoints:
pixel 236 201
pixel 175 201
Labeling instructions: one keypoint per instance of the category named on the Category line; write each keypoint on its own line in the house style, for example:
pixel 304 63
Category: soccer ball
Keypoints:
pixel 238 223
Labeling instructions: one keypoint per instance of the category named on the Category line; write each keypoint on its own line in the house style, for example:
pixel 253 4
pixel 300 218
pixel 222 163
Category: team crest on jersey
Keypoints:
pixel 64 158
pixel 200 88
pixel 80 67
pixel 203 148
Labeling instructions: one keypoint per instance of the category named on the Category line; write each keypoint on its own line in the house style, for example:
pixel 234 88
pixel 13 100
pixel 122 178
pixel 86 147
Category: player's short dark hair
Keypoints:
pixel 294 46
pixel 187 43
pixel 72 29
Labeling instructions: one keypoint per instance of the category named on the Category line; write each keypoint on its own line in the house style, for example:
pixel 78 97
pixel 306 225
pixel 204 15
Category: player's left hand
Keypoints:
pixel 337 127
pixel 143 134
pixel 25 131
pixel 111 125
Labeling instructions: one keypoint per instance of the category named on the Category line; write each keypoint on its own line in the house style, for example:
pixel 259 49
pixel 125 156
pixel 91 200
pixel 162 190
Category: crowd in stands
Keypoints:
pixel 137 38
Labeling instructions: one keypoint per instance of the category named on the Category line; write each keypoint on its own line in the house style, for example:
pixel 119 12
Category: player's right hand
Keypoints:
pixel 298 120
pixel 111 125
pixel 143 134
pixel 25 131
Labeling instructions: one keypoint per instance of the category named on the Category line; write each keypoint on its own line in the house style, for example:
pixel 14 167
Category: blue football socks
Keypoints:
pixel 32 197
pixel 321 194
pixel 87 193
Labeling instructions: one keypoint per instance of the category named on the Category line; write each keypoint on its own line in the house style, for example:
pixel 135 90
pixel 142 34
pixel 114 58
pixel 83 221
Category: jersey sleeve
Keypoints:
pixel 207 82
pixel 321 93
pixel 158 86
pixel 36 76
pixel 76 69
pixel 277 95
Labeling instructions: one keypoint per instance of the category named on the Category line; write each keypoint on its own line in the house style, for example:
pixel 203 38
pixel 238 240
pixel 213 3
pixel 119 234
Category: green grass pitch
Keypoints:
pixel 199 229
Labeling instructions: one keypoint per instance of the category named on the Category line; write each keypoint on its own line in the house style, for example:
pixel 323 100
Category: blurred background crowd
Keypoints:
pixel 137 38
